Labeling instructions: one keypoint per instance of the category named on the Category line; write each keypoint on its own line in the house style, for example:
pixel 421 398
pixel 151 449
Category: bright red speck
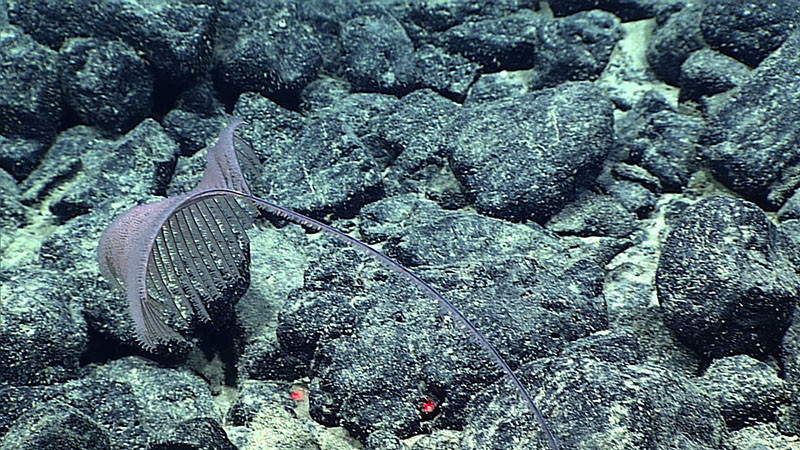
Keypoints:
pixel 428 406
pixel 297 395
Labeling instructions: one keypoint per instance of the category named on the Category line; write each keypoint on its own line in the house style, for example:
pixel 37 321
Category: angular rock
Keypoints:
pixel 725 282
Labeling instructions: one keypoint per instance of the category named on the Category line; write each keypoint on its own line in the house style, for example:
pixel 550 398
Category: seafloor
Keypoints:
pixel 609 190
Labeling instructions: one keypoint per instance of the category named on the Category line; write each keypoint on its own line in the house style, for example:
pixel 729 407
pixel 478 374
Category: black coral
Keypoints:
pixel 175 256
